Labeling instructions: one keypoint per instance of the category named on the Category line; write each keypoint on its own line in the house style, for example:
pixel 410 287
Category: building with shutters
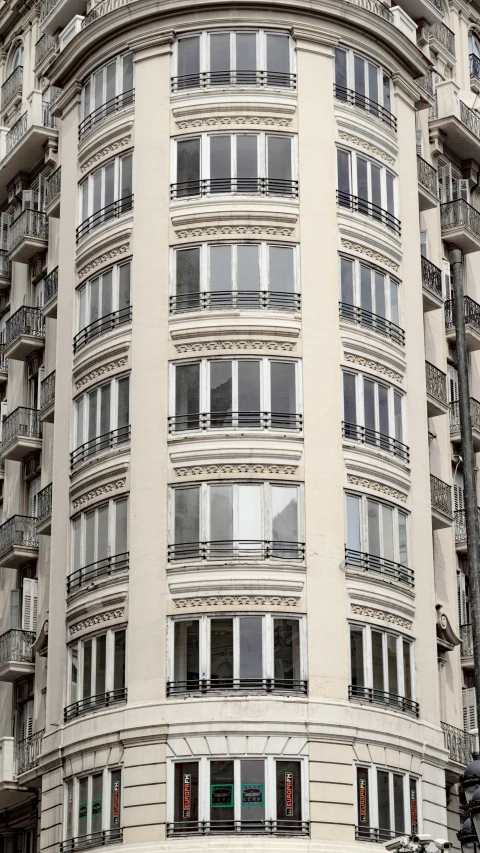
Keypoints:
pixel 233 559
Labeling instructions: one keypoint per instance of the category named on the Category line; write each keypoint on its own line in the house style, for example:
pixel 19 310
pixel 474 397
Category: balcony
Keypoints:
pixel 3 371
pixel 443 38
pixel 94 839
pixel 17 657
pixel 21 434
pixel 114 105
pixel 455 434
pixel 27 236
pixel 27 752
pixel 12 88
pixel 364 435
pixel 24 333
pixel 475 73
pixel 459 125
pixel 431 285
pixel 45 47
pixel 47 399
pixel 203 686
pixel 18 541
pixel 460 531
pixel 105 215
pixel 234 186
pixel 92 703
pixel 102 569
pixel 367 208
pixel 52 203
pixel 372 322
pixel 428 10
pixel 90 449
pixel 73 28
pixel 44 511
pixel 226 421
pixel 379 697
pixel 427 184
pixel 436 384
pixel 224 300
pixel 287 827
pixel 27 139
pixel 460 224
pixel 101 326
pixel 441 501
pixel 356 99
pixel 460 744
pixel 359 561
pixel 5 271
pixel 57 14
pixel 50 293
pixel 236 549
pixel 466 636
pixel 472 322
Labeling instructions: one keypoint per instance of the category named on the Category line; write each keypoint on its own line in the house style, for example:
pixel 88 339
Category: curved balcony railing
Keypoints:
pixel 460 744
pixel 100 569
pixel 26 321
pixel 222 300
pixel 364 435
pixel 119 102
pixel 92 703
pixel 28 751
pixel 202 79
pixel 235 420
pixel 94 839
pixel 13 86
pixel 361 205
pixel 356 99
pixel 427 176
pixel 106 214
pixel 372 321
pixel 455 415
pixel 247 549
pixel 371 833
pixel 47 390
pixel 54 184
pixel 16 645
pixel 460 526
pixel 101 326
pixel 474 66
pixel 460 214
pixel 441 496
pixel 285 827
pixel 471 312
pixel 380 697
pixel 44 503
pixel 43 46
pixel 101 9
pixel 235 186
pixel 432 277
pixel 466 636
pixel 96 445
pixel 21 423
pixel 249 685
pixel 19 531
pixel 364 562
pixel 436 382
pixel 50 285
pixel 443 35
pixel 30 223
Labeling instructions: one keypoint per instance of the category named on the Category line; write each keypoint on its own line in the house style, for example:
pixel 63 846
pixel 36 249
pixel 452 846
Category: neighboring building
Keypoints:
pixel 233 586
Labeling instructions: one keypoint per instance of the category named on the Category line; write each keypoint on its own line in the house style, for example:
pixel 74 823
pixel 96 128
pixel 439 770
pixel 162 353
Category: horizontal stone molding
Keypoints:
pixel 100 371
pixel 104 259
pixel 372 149
pixel 106 139
pixel 234 230
pixel 377 486
pixel 237 600
pixel 370 364
pixel 372 254
pixel 106 152
pixel 99 492
pixel 234 469
pixel 98 619
pixel 215 346
pixel 383 615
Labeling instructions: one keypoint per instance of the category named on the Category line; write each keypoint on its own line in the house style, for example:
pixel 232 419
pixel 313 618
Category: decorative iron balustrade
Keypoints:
pixel 203 79
pixel 53 186
pixel 380 697
pixel 100 569
pixel 3 360
pixel 427 176
pixel 102 9
pixel 20 531
pixel 356 99
pixel 376 7
pixel 119 102
pixel 101 326
pixel 235 420
pixel 235 186
pixel 361 561
pixel 372 321
pixel 238 827
pixel 50 285
pixel 466 636
pixel 249 685
pixel 21 423
pixel 16 646
pixel 441 496
pixel 94 839
pixel 106 214
pixel 460 526
pixel 44 503
pixel 371 833
pixel 460 214
pixel 5 264
pixel 361 205
pixel 46 7
pixel 436 382
pixel 218 300
pixel 460 744
pixel 470 118
pixel 13 86
pixel 28 751
pixel 426 83
pixel 43 47
pixel 471 310
pixel 455 415
pixel 444 36
pixel 228 549
pixel 16 132
pixel 364 435
pixel 96 445
pixel 26 321
pixel 30 223
pixel 47 390
pixel 474 66
pixel 91 703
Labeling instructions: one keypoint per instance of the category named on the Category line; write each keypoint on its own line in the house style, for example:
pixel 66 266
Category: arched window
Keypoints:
pixel 17 59
pixel 474 44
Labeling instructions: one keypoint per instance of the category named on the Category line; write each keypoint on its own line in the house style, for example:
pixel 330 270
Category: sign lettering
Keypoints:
pixel 362 797
pixel 116 803
pixel 289 794
pixel 187 786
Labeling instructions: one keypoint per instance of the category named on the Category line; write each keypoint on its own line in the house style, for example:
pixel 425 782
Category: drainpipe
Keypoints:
pixel 469 477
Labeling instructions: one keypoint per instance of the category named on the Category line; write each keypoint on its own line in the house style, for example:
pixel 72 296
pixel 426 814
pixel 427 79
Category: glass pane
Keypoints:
pixel 340 69
pixel 246 57
pixel 221 794
pixel 278 59
pixel 346 279
pixel 407 670
pixel 188 167
pixel 363 801
pixel 220 163
pixel 248 273
pixel 111 75
pixel 377 663
pixel 127 78
pixel 250 532
pixel 124 287
pixel 187 518
pixel 394 306
pixel 187 396
pixel 70 809
pixel 85 199
pixel 82 806
pixel 115 798
pixel 279 163
pixel 251 654
pixel 359 72
pixel 376 186
pixel 187 283
pixel 356 658
pixel 102 533
pixel 253 791
pixel 90 538
pixel 373 518
pixel 343 175
pixel 386 93
pixel 286 649
pixel 97 191
pixel 220 275
pixel 366 289
pixel 220 393
pixel 98 83
pixel 109 195
pixel 397 413
pixel 119 661
pixel 107 293
pixel 82 308
pixel 289 795
pixel 383 419
pixel 105 423
pixel 100 670
pixel 349 399
pixel 247 163
pixel 126 182
pixel 383 799
pixel 186 654
pixel 353 523
pixel 74 674
pixel 77 543
pixel 94 300
pixel 373 83
pixel 402 539
pixel 87 669
pixel 221 652
pixel 249 393
pixel 284 517
pixel 379 283
pixel 188 61
pixel 281 269
pixel 186 794
pixel 390 195
pixel 369 404
pixel 86 99
pixel 388 544
pixel 121 527
pixel 220 55
pixel 392 664
pixel 283 393
pixel 362 179
pixel 221 519
pixel 123 406
pixel 398 804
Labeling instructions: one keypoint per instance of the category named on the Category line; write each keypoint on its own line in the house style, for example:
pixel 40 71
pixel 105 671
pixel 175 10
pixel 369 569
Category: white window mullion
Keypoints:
pixel 270 788
pixel 359 399
pixel 237 802
pixel 236 648
pixel 89 805
pixel 235 401
pixel 372 773
pixel 400 671
pixel 234 269
pixel 109 655
pixel 204 512
pixel 367 656
pixel 265 385
pixel 205 669
pixel 94 667
pixel 105 799
pixel 204 789
pixel 80 672
pixel 392 805
pixel 267 646
pixel 385 662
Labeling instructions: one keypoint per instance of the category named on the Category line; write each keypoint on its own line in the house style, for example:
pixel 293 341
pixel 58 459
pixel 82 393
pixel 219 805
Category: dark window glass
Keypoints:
pixel 221 652
pixel 220 164
pixel 221 393
pixel 187 516
pixel 398 804
pixel 289 794
pixel 189 61
pixel 187 396
pixel 100 665
pixel 278 60
pixel 219 58
pixel 97 784
pixel 283 394
pixel 247 163
pixel 377 662
pixel 188 278
pixel 188 167
pixel 340 69
pixel 246 57
pixel 392 664
pixel 366 288
pixel 186 794
pixel 281 276
pixel 343 176
pixel 383 790
pixel 186 654
pixel 221 794
pixel 279 158
pixel 119 661
pixel 349 399
pixel 407 670
pixel 346 279
pixel 363 802
pixel 251 655
pixel 252 790
pixel 87 669
pixel 356 657
pixel 286 649
pixel 249 392
pixel 412 785
pixel 116 799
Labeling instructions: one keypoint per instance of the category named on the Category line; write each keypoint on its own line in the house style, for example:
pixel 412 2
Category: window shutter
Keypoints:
pixel 452 383
pixel 447 278
pixel 462 598
pixel 27 719
pixel 5 222
pixel 419 139
pixel 29 610
pixel 3 414
pixel 469 709
pixel 424 243
pixel 461 189
pixel 458 491
pixel 15 608
pixel 39 294
pixel 445 182
pixel 32 497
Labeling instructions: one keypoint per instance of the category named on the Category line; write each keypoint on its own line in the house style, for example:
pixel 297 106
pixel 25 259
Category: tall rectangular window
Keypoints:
pixel 188 167
pixel 186 794
pixel 289 794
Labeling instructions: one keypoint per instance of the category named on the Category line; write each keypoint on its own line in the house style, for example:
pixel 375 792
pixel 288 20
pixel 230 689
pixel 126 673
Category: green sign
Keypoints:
pixel 82 811
pixel 96 807
pixel 221 796
pixel 252 794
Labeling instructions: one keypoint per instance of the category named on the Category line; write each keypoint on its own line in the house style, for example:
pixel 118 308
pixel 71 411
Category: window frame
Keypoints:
pixel 74 781
pixel 261 49
pixel 353 155
pixel 114 408
pixel 363 519
pixel 359 403
pixel 389 279
pixel 118 83
pixel 86 287
pixel 87 185
pixel 79 645
pixel 373 797
pixel 111 532
pixel 382 74
pixel 368 658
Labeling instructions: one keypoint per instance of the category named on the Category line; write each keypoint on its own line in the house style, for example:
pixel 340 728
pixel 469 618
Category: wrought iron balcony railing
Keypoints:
pixel 18 531
pixel 54 184
pixel 471 310
pixel 3 360
pixel 474 66
pixel 50 285
pixel 202 79
pixel 19 129
pixel 376 7
pixel 356 99
pixel 101 9
pixel 441 496
pixel 119 102
pixel 43 46
pixel 470 119
pixel 361 561
pixel 432 277
pixel 47 390
pixel 106 214
pixel 46 7
pixel 364 435
pixel 97 445
pixel 426 83
pixel 94 839
pixel 101 326
pixel 235 186
pixel 460 744
pixel 30 223
pixel 44 503
pixel 21 423
pixel 427 176
pixel 28 751
pixel 91 703
pixel 455 415
pixel 371 833
pixel 249 685
pixel 222 300
pixel 16 646
pixel 372 321
pixel 100 569
pixel 235 420
pixel 235 827
pixel 26 321
pixel 13 86
pixel 248 549
pixel 436 381
pixel 379 697
pixel 5 264
pixel 444 36
pixel 361 205
pixel 460 214
pixel 460 526
pixel 466 636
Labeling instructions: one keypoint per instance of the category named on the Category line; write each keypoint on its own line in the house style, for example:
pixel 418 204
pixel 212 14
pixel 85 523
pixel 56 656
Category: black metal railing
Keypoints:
pixel 361 205
pixel 44 503
pixel 101 9
pixel 50 285
pixel 460 214
pixel 91 703
pixel 436 382
pixel 251 549
pixel 460 744
pixel 202 79
pixel 426 83
pixel 441 496
pixel 54 185
pixel 427 176
pixel 95 445
pixel 238 186
pixel 30 223
pixel 460 526
pixel 106 214
pixel 380 697
pixel 5 264
pixel 371 833
pixel 102 326
pixel 28 751
pixel 3 360
pixel 235 420
pixel 466 636
pixel 260 685
pixel 21 423
pixel 47 390
pixel 471 311
pixel 19 531
pixel 356 99
pixel 431 277
pixel 354 432
pixel 16 646
pixel 237 827
pixel 374 322
pixel 364 562
pixel 13 86
pixel 124 99
pixel 444 36
pixel 218 300
pixel 455 415
pixel 470 119
pixel 26 321
pixel 474 66
pixel 94 839
pixel 100 569
pixel 43 47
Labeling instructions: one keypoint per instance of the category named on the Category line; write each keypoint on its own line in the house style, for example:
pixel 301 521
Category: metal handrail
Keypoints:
pixel 235 420
pixel 101 9
pixel 47 390
pixel 202 79
pixel 427 176
pixel 217 300
pixel 460 744
pixel 372 833
pixel 102 326
pixel 431 277
pixel 455 415
pixel 16 645
pixel 28 320
pixel 30 223
pixel 94 839
pixel 44 503
pixel 111 211
pixel 356 99
pixel 471 311
pixel 355 432
pixel 251 549
pixel 441 496
pixel 54 183
pixel 460 214
pixel 436 383
pixel 5 264
pixel 381 697
pixel 460 526
pixel 113 105
pixel 50 285
pixel 107 566
pixel 21 423
pixel 91 703
pixel 101 442
pixel 466 636
pixel 264 685
pixel 361 205
pixel 474 66
pixel 444 36
pixel 28 751
pixel 13 85
pixel 374 322
pixel 240 186
pixel 360 560
pixel 43 46
pixel 285 826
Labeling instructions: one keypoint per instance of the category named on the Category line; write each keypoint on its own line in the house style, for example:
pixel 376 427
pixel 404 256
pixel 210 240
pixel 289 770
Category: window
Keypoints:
pixel 93 809
pixel 99 543
pixel 106 91
pixel 251 520
pixel 102 419
pixel 236 394
pixel 103 303
pixel 243 275
pixel 23 606
pixel 258 163
pixel 97 673
pixel 376 538
pixel 370 297
pixel 17 58
pixel 240 794
pixel 105 194
pixel 373 414
pixel 237 653
pixel 366 187
pixel 360 82
pixel 381 668
pixel 244 58
pixel 387 804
